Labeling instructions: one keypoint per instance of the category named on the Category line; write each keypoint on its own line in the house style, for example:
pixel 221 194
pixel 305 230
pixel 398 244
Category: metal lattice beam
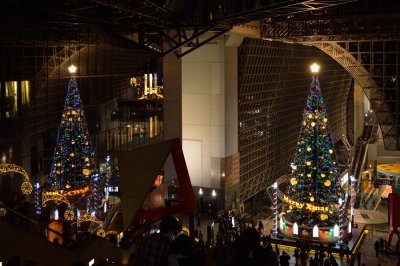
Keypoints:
pixel 372 91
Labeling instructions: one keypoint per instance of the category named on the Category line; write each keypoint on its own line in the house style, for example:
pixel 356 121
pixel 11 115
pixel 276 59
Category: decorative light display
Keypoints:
pixel 275 195
pixel 295 229
pixel 55 215
pixel 200 191
pixel 108 177
pixel 72 69
pixel 336 230
pixel 315 185
pixel 281 223
pixel 342 217
pixel 353 196
pixel 213 193
pixel 73 169
pixel 38 208
pixel 26 186
pixel 315 231
pixel 349 227
pixel 68 214
pixel 92 219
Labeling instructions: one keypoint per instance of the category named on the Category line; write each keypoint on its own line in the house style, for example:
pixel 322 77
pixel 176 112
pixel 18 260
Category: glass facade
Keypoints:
pixel 274 78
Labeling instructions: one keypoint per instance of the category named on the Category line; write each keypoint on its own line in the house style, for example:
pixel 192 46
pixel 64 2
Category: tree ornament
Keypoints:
pixel 293 181
pixel 327 183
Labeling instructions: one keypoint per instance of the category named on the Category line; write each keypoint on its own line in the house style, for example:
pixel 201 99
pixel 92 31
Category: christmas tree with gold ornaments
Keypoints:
pixel 314 187
pixel 73 168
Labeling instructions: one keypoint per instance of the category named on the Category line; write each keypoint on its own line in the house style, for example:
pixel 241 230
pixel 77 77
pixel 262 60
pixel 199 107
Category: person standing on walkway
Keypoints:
pixel 284 259
pixel 296 255
pixel 347 253
pixel 376 247
pixel 341 253
pixel 277 250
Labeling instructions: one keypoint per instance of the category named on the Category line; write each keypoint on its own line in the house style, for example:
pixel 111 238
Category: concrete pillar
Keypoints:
pixel 172 70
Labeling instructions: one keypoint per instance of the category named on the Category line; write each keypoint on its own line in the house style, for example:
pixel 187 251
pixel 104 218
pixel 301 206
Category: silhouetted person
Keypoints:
pixel 181 252
pixel 284 259
pixel 359 258
pixel 250 252
pixel 347 253
pixel 341 253
pixel 154 249
pixel 376 247
pixel 277 249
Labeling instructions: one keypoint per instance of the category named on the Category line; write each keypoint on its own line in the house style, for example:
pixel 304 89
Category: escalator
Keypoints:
pixel 28 239
pixel 368 136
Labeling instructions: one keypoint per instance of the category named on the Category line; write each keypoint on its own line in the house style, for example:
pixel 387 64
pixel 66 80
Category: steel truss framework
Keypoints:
pixel 162 26
pixel 379 82
pixel 273 86
pixel 365 39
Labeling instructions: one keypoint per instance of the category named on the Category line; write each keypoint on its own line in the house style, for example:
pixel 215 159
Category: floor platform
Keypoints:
pixel 353 243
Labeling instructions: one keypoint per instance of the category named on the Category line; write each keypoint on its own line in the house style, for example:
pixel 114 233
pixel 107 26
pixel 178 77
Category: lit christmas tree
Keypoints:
pixel 73 171
pixel 314 187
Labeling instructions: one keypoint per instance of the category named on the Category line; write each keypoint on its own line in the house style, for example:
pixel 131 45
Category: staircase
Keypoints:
pixel 27 239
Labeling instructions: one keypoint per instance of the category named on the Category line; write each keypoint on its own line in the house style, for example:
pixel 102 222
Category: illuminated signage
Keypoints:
pixel 307 206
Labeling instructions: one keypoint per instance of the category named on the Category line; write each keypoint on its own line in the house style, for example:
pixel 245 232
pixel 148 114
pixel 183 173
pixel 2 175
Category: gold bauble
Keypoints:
pixel 325 120
pixel 73 112
pixel 308 175
pixel 308 149
pixel 308 163
pixel 327 183
pixel 71 154
pixel 85 171
pixel 304 123
pixel 323 217
pixel 313 124
pixel 293 181
pixel 312 199
pixel 86 159
pixel 322 175
pixel 72 142
pixel 294 167
pixel 330 151
pixel 310 116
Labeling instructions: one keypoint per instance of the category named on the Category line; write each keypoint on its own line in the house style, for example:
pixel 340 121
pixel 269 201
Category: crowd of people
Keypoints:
pixel 233 246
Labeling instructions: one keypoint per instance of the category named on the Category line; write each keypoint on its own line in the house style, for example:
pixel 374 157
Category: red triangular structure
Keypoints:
pixel 138 171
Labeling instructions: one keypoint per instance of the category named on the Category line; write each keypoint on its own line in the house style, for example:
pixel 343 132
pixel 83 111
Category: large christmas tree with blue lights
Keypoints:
pixel 73 168
pixel 314 188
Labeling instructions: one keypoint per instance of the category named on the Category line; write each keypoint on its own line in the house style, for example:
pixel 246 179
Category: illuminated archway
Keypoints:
pixel 49 196
pixel 91 219
pixel 26 186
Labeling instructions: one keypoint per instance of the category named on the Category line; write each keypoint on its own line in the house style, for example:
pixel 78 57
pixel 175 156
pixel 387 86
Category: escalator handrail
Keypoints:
pixel 43 227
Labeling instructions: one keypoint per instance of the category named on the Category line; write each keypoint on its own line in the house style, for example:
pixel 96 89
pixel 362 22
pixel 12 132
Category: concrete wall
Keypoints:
pixel 209 110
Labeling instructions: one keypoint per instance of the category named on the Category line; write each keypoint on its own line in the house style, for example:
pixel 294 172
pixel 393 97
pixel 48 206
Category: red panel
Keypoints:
pixel 394 210
pixel 188 202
